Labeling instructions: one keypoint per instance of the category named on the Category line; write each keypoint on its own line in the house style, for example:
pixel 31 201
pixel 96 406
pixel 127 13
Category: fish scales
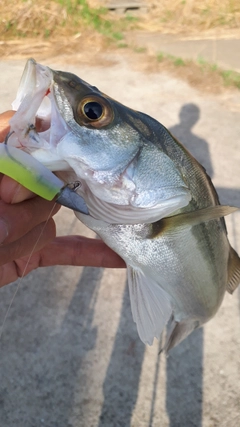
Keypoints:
pixel 147 197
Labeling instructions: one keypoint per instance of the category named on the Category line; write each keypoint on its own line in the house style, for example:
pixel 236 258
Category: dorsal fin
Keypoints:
pixel 233 271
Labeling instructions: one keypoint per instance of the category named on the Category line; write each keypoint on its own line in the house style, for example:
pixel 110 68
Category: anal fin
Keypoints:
pixel 233 271
pixel 151 306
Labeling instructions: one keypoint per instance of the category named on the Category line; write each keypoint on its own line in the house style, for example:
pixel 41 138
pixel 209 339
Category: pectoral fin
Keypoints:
pixel 233 271
pixel 151 307
pixel 189 219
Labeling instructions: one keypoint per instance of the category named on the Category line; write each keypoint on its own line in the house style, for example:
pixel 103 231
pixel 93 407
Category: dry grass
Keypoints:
pixel 31 18
pixel 57 18
pixel 42 18
pixel 181 16
pixel 46 29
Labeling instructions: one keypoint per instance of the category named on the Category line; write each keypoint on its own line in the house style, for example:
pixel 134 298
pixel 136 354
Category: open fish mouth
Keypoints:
pixel 36 126
pixel 37 123
pixel 32 101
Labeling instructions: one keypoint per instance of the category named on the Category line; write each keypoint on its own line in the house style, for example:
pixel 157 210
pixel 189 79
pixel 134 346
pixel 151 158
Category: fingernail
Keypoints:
pixel 3 231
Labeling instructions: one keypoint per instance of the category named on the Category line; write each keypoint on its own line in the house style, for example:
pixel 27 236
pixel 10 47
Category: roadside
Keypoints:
pixel 222 50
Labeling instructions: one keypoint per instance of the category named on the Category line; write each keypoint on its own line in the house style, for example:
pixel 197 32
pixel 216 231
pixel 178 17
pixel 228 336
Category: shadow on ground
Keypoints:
pixel 198 147
pixel 45 361
pixel 121 383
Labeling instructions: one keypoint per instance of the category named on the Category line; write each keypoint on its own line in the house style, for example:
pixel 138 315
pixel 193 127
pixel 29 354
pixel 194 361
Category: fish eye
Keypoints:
pixel 94 111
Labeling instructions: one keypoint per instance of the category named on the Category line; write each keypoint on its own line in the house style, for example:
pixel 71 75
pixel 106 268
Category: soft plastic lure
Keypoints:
pixel 29 172
pixel 26 170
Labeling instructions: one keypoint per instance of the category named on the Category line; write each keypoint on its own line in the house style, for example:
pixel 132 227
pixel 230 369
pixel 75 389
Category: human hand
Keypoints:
pixel 27 233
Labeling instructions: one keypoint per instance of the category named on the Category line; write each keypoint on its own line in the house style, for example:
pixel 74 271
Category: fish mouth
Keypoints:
pixel 36 127
pixel 37 123
pixel 32 102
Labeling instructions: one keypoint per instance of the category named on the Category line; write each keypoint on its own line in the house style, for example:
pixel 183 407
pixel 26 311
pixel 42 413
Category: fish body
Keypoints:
pixel 147 197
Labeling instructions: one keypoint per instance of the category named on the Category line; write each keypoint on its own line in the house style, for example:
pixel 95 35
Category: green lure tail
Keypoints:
pixel 30 173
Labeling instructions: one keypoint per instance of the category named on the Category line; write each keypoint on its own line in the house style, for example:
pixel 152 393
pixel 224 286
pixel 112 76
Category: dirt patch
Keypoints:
pixel 202 79
pixel 86 45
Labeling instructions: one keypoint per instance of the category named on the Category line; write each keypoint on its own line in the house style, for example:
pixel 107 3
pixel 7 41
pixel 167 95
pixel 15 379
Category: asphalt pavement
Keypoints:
pixel 70 355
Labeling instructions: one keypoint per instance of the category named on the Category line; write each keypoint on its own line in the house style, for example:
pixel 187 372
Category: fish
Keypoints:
pixel 147 198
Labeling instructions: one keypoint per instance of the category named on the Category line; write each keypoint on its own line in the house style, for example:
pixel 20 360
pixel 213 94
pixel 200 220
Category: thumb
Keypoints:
pixel 4 124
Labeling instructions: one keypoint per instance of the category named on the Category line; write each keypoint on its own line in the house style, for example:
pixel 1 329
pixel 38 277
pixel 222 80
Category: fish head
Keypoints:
pixel 113 151
pixel 69 106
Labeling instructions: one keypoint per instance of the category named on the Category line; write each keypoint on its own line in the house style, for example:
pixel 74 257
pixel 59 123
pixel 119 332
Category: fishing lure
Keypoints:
pixel 33 175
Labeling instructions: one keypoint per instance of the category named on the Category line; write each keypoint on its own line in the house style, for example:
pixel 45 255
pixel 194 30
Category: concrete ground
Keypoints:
pixel 223 50
pixel 70 355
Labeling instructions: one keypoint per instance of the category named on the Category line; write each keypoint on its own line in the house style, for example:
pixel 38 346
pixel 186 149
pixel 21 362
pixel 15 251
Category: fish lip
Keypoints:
pixel 32 78
pixel 35 85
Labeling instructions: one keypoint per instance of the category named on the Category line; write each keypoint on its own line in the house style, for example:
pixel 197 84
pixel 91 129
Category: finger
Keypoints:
pixel 81 251
pixel 33 241
pixel 13 192
pixel 68 250
pixel 4 124
pixel 10 191
pixel 17 220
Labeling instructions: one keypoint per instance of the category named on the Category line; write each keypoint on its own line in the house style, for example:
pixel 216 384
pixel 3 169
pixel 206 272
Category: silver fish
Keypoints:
pixel 147 198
